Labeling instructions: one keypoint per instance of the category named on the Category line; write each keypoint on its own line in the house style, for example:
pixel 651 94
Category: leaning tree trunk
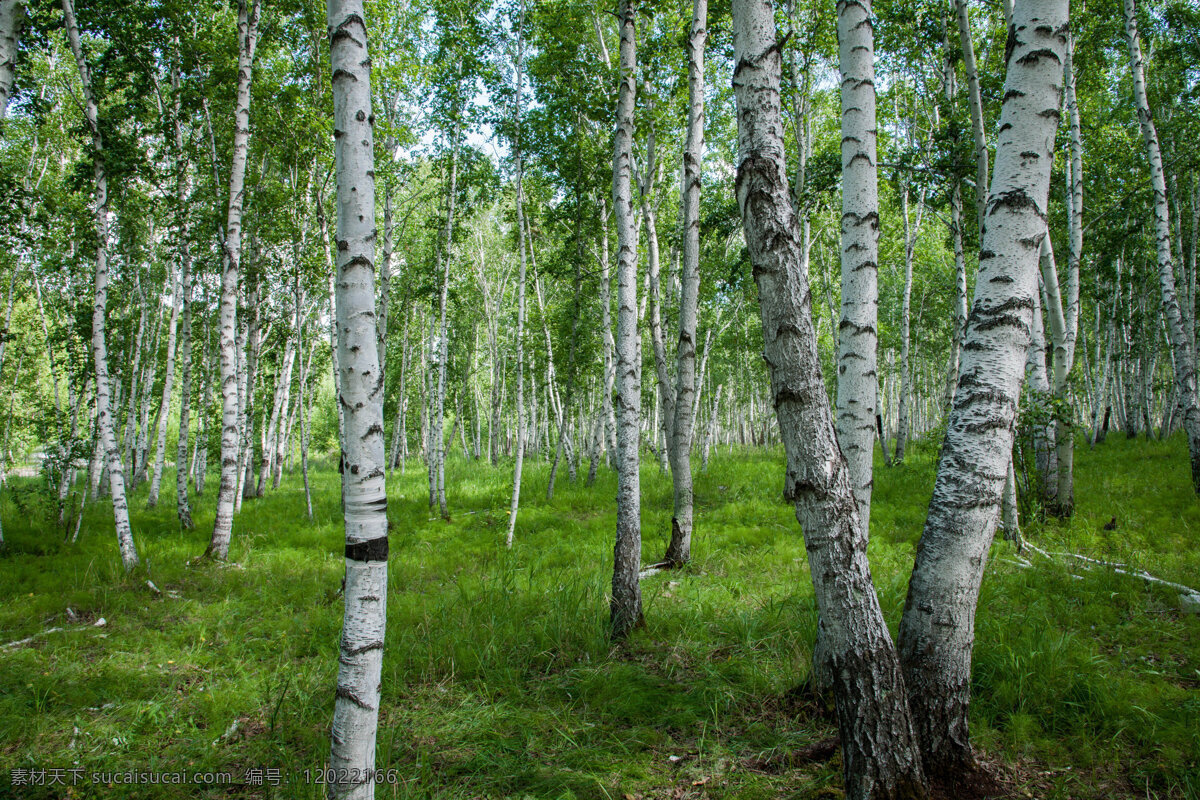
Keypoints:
pixel 520 333
pixel 626 608
pixel 679 550
pixel 1181 339
pixel 218 546
pixel 107 441
pixel 360 658
pixel 856 384
pixel 938 627
pixel 879 746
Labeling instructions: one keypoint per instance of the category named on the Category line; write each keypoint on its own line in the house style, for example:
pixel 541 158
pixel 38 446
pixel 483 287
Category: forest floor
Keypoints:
pixel 498 680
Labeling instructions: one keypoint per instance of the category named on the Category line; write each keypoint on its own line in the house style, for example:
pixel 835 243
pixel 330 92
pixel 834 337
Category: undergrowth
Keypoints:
pixel 498 677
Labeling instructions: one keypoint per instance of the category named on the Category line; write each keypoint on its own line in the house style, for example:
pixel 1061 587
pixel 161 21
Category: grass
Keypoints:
pixel 498 678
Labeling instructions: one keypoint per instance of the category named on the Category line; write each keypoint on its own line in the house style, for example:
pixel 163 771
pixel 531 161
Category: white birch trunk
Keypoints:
pixel 218 547
pixel 514 506
pixel 856 384
pixel 937 630
pixel 626 607
pixel 679 549
pixel 12 15
pixel 107 442
pixel 360 656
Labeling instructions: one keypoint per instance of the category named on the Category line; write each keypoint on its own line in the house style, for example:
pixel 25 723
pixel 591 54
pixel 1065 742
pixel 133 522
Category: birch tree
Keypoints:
pixel 231 254
pixel 937 629
pixel 12 15
pixel 679 550
pixel 856 392
pixel 626 611
pixel 360 658
pixel 521 243
pixel 106 439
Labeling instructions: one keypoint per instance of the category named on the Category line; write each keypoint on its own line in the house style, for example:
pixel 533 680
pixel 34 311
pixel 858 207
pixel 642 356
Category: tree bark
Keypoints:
pixel 360 658
pixel 626 607
pixel 218 547
pixel 937 630
pixel 856 383
pixel 679 550
pixel 12 16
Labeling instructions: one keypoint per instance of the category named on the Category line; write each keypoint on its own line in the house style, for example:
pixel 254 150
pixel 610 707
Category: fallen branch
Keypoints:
pixel 1188 596
pixel 100 623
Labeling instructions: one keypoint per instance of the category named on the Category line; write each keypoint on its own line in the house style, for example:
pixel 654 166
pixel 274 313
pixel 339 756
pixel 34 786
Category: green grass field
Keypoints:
pixel 498 678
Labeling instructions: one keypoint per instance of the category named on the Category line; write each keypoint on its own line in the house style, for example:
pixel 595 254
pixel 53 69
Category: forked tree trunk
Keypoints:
pixel 856 384
pixel 679 550
pixel 938 628
pixel 1181 340
pixel 879 745
pixel 107 442
pixel 360 657
pixel 626 607
pixel 218 547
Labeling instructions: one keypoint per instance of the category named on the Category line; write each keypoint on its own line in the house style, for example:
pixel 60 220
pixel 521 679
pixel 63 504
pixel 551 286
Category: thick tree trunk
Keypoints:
pixel 626 608
pixel 107 442
pixel 360 657
pixel 679 550
pixel 1181 340
pixel 218 547
pixel 12 15
pixel 856 376
pixel 879 745
pixel 938 628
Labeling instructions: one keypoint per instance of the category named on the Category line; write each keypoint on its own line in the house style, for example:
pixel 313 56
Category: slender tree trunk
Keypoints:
pixel 937 630
pixel 610 347
pixel 1181 340
pixel 976 106
pixel 300 392
pixel 107 440
pixel 856 384
pixel 183 508
pixel 879 745
pixel 360 657
pixel 520 332
pixel 910 243
pixel 626 607
pixel 679 550
pixel 164 411
pixel 218 547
